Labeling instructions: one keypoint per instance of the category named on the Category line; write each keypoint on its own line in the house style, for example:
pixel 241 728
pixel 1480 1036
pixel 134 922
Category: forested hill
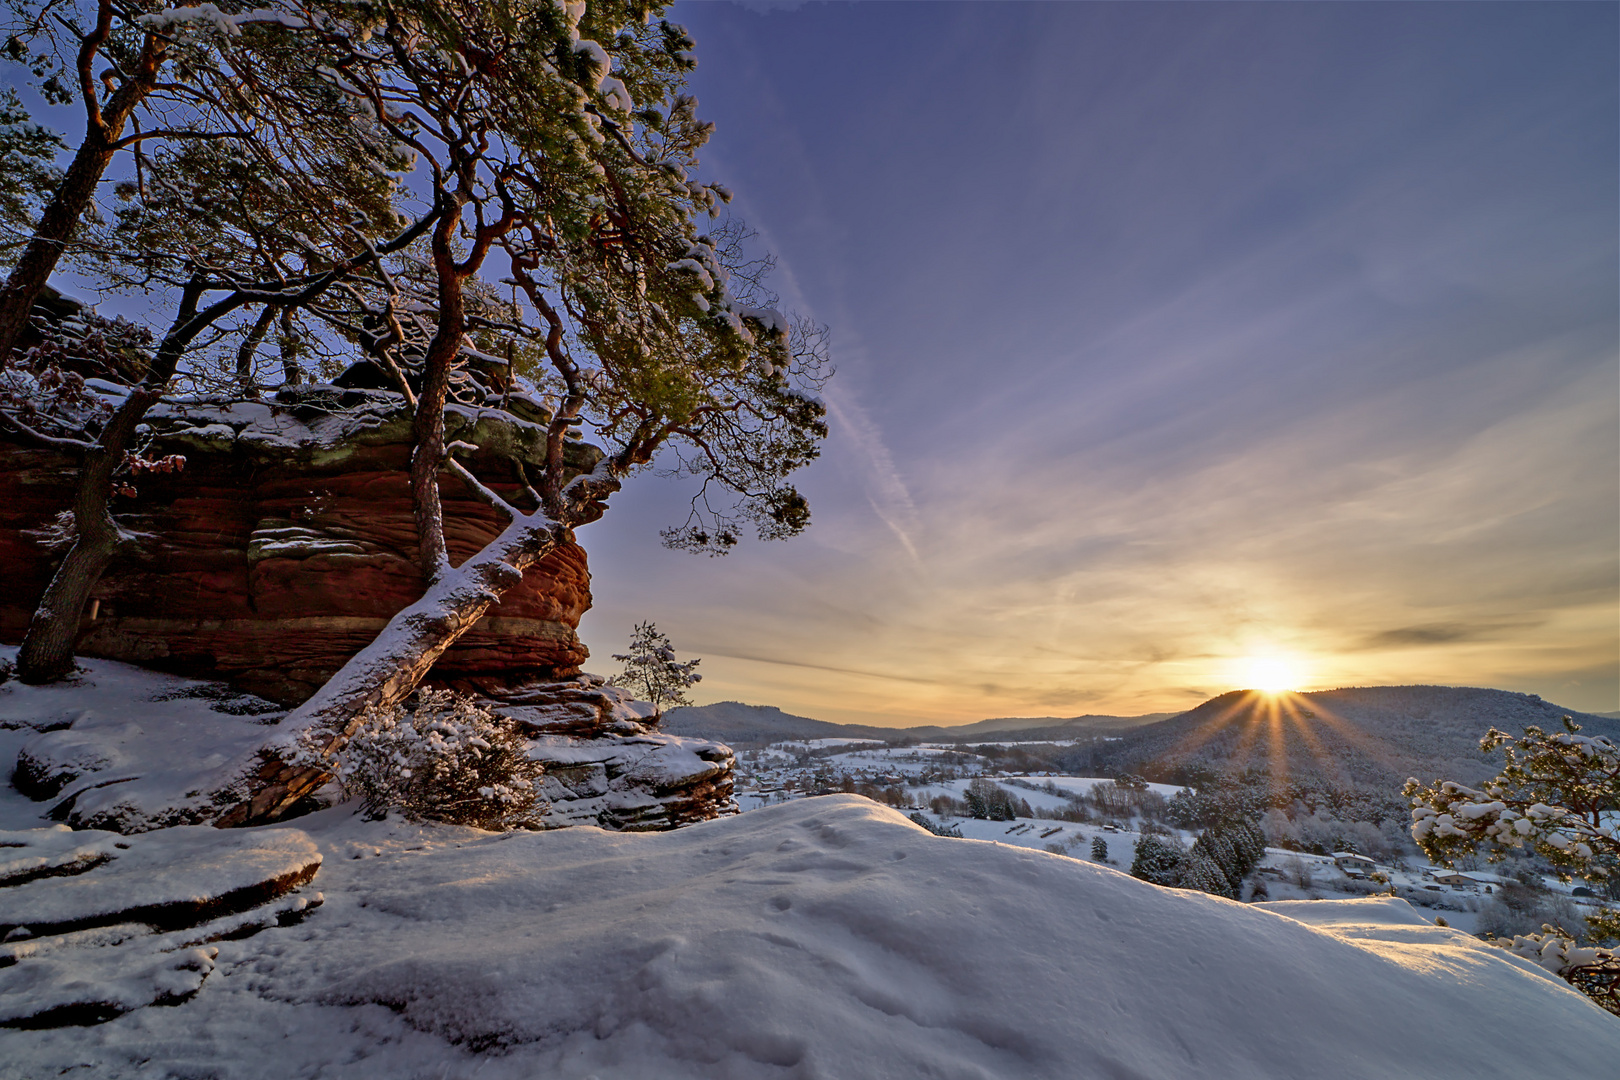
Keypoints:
pixel 746 726
pixel 1371 735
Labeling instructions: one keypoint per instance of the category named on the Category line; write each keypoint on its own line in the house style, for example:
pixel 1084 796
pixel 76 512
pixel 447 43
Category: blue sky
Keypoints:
pixel 1168 336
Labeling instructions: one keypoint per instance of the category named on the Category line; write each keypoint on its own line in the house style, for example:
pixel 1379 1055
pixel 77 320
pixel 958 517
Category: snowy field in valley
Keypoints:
pixel 824 937
pixel 922 774
pixel 828 937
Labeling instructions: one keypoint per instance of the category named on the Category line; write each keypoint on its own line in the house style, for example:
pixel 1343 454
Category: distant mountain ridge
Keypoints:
pixel 1370 735
pixel 1373 735
pixel 747 726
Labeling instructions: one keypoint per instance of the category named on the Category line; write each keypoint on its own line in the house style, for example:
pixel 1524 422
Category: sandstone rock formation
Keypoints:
pixel 287 542
pixel 605 765
pixel 285 545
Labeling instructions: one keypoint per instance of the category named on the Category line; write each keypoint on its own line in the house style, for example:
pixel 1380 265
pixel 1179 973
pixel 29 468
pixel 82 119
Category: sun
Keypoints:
pixel 1272 674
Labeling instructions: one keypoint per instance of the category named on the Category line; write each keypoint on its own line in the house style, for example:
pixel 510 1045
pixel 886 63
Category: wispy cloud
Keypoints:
pixel 886 489
pixel 1257 330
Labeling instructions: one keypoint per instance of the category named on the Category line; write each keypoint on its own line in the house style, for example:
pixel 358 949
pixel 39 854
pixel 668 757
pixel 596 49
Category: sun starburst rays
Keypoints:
pixel 1274 728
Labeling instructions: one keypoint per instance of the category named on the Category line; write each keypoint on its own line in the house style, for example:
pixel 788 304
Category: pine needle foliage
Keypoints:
pixel 652 673
pixel 1558 795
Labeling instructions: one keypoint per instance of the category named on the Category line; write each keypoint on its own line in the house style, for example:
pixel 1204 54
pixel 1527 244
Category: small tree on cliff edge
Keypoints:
pixel 651 670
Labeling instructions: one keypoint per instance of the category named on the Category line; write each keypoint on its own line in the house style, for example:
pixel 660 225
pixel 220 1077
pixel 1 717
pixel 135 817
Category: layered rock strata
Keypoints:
pixel 605 764
pixel 287 542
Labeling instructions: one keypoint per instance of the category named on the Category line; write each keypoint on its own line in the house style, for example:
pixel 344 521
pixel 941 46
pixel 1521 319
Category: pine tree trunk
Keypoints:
pixel 47 648
pixel 385 672
pixel 56 228
pixel 60 219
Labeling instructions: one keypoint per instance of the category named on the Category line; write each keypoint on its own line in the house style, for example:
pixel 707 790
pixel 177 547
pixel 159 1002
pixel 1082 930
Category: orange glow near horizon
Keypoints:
pixel 1269 672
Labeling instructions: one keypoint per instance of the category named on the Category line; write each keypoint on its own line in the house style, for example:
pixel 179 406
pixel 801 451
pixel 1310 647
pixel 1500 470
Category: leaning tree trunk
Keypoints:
pixel 385 672
pixel 60 218
pixel 47 648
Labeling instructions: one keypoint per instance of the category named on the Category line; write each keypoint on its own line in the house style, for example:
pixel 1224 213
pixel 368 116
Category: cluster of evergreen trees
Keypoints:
pixel 938 828
pixel 992 802
pixel 1222 856
pixel 1217 795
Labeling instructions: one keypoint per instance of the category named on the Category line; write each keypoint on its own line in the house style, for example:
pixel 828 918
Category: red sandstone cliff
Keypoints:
pixel 283 547
pixel 286 544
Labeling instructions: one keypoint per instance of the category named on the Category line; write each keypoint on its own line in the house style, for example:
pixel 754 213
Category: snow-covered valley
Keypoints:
pixel 824 936
pixel 829 937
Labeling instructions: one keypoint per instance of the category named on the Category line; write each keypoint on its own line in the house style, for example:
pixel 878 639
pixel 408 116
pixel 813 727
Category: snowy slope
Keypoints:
pixel 826 937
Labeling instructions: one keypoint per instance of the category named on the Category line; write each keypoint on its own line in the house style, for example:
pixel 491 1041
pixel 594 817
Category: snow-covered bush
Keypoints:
pixel 1298 873
pixel 1517 909
pixel 1594 972
pixel 938 828
pixel 1558 794
pixel 450 759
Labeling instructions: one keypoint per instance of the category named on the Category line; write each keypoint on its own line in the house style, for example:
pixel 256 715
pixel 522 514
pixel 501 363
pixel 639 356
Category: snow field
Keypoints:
pixel 827 937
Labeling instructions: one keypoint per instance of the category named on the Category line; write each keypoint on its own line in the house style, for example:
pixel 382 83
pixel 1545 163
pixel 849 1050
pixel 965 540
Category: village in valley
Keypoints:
pixel 1073 815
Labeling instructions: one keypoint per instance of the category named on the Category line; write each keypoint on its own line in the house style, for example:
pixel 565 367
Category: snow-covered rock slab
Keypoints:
pixel 27 854
pixel 169 879
pixel 824 938
pixel 90 976
pixel 118 747
pixel 91 986
pixel 639 782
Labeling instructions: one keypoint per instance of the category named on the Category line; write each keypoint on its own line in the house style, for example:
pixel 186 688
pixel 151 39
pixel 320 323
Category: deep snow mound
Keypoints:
pixel 832 938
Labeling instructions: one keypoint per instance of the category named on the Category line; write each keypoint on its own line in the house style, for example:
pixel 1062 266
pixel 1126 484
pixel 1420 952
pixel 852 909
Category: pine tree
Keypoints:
pixel 1160 860
pixel 651 670
pixel 1558 794
pixel 1235 846
pixel 1205 875
pixel 562 157
pixel 1099 849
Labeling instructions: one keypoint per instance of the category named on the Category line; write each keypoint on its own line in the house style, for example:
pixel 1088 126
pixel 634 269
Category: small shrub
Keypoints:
pixel 450 759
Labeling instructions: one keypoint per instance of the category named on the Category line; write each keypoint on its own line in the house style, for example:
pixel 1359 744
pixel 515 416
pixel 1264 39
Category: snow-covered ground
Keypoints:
pixel 828 937
pixel 796 765
pixel 784 771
